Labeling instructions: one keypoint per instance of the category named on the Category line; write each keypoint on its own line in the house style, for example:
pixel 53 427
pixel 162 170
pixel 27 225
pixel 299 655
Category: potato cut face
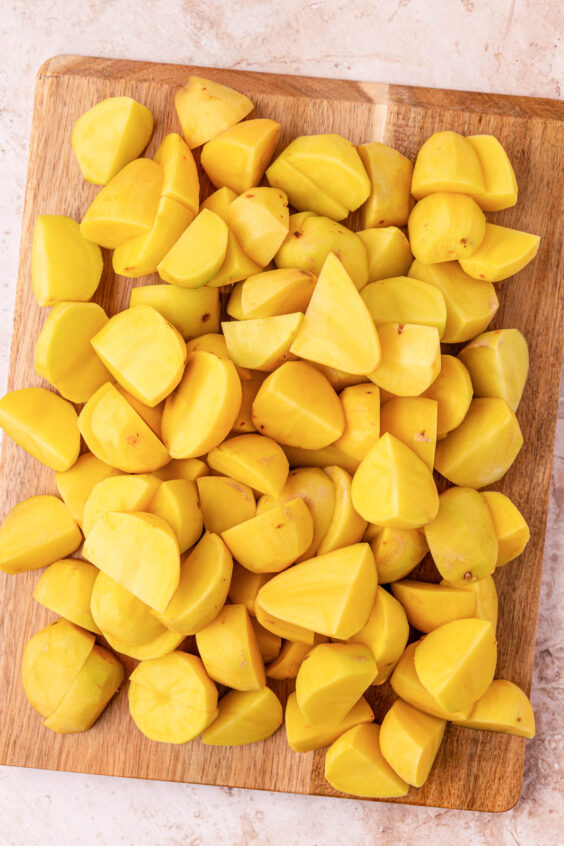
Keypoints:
pixel 225 502
pixel 245 586
pixel 389 253
pixel 303 736
pixel 485 594
pixel 346 527
pixel 498 363
pixel 259 219
pixel 255 460
pixel 190 469
pixel 36 532
pixel 406 684
pixel 429 606
pixel 390 175
pixel 402 299
pixel 192 312
pixel 361 405
pixel 499 177
pixel 397 552
pixel 64 265
pixel 502 253
pixel 237 158
pixel 288 661
pixel 504 707
pixel 245 717
pixel 447 161
pixel 65 587
pixel 410 741
pixel 452 391
pixel 263 343
pixel 288 631
pixel 205 108
pixel 271 293
pixel 510 527
pixel 119 493
pixel 413 420
pixel 410 359
pixel 229 650
pixel 385 633
pixel 302 192
pixel 180 173
pixel 269 643
pixel 299 457
pixel 176 501
pixel 75 485
pixel 198 254
pixel 445 227
pixel 354 764
pixel 237 265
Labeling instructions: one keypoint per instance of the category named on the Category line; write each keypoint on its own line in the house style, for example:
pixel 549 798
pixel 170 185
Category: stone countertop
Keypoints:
pixel 504 46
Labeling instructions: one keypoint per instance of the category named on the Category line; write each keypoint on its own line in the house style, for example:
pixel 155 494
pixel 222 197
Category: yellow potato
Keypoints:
pixel 215 343
pixel 429 606
pixel 76 484
pixel 288 631
pixel 452 391
pixel 337 329
pixel 236 265
pixel 346 526
pixel 303 736
pixel 462 537
pixel 393 487
pixel 390 175
pixel 331 679
pixel 64 355
pixel 296 405
pixel 180 173
pixel 500 191
pixel 110 135
pixel 263 343
pixel 172 719
pixel 65 588
pixel 361 406
pixel 498 363
pixel 310 240
pixel 389 253
pixel 402 299
pixel 413 420
pixel 119 493
pixel 385 633
pixel 249 387
pixel 205 108
pixel 411 358
pixel 330 455
pixel 36 532
pixel 126 546
pixel 151 416
pixel 410 741
pixel 128 624
pixel 126 207
pixel 485 594
pixel 354 764
pixel 331 164
pixel 225 502
pixel 64 265
pixel 502 253
pixel 302 192
pixel 229 649
pixel 116 434
pixel 470 303
pixel 273 540
pixel 205 575
pixel 289 660
pixel 406 684
pixel 269 643
pixel 200 413
pixel 504 707
pixel 190 469
pixel 340 379
pixel 192 312
pixel 97 681
pixel 176 501
pixel 447 161
pixel 198 254
pixel 510 526
pixel 483 447
pixel 51 662
pixel 445 227
pixel 255 460
pixel 245 586
pixel 332 594
pixel 245 717
pixel 456 662
pixel 271 293
pixel 397 552
pixel 259 220
pixel 237 158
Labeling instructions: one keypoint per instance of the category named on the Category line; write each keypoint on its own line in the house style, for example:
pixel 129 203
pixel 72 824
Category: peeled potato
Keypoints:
pixel 498 363
pixel 390 175
pixel 263 343
pixel 36 532
pixel 65 587
pixel 502 252
pixel 192 311
pixel 64 265
pixel 255 460
pixel 389 253
pixel 180 174
pixel 119 493
pixel 504 707
pixel 410 740
pixel 429 606
pixel 410 359
pixel 229 649
pixel 354 764
pixel 224 502
pixel 237 157
pixel 447 161
pixel 244 717
pixel 198 254
pixel 205 108
pixel 397 552
pixel 385 633
pixel 76 484
pixel 346 527
pixel 406 684
pixel 445 227
pixel 304 736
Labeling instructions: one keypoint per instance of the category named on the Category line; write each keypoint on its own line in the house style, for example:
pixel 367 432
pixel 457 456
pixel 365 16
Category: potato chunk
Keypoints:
pixel 245 717
pixel 503 707
pixel 361 405
pixel 289 659
pixel 64 265
pixel 410 741
pixel 263 343
pixel 245 586
pixel 410 359
pixel 385 633
pixel 397 552
pixel 269 643
pixel 510 527
pixel 229 650
pixel 304 736
pixel 429 606
pixel 180 173
pixel 254 460
pixel 36 532
pixel 452 391
pixel 485 594
pixel 444 227
pixel 274 292
pixel 176 501
pixel 390 175
pixel 346 526
pixel 502 253
pixel 289 631
pixel 447 161
pixel 225 502
pixel 205 108
pixel 237 158
pixel 237 265
pixel 192 311
pixel 354 764
pixel 406 684
pixel 259 220
pixel 65 588
pixel 413 420
pixel 76 484
pixel 402 299
pixel 389 253
pixel 198 254
pixel 499 177
pixel 498 363
pixel 302 192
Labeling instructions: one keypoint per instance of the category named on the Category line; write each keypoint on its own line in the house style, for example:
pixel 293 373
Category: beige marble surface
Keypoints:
pixel 509 46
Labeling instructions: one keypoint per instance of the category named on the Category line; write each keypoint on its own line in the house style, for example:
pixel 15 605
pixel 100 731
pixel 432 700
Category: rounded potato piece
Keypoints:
pixel 462 537
pixel 64 265
pixel 385 633
pixel 485 594
pixel 390 175
pixel 76 484
pixel 259 220
pixel 151 416
pixel 119 493
pixel 237 158
pixel 302 192
pixel 245 586
pixel 447 161
pixel 236 265
pixel 229 649
pixel 225 503
pixel 393 487
pixel 176 501
pixel 198 254
pixel 96 683
pixel 288 661
pixel 331 679
pixel 445 227
pixel 410 741
pixel 483 448
pixel 403 299
pixel 205 577
pixel 255 460
pixel 245 717
pixel 64 355
pixel 502 253
pixel 303 736
pixel 110 135
pixel 264 343
pixel 413 420
pixel 214 342
pixel 499 177
pixel 269 643
pixel 346 526
pixel 116 434
pixel 65 588
pixel 43 424
pixel 511 529
pixel 297 406
pixel 51 661
pixel 36 532
pixel 190 469
pixel 456 662
pixel 332 594
pixel 180 173
pixel 452 391
pixel 205 108
pixel 272 541
pixel 429 606
pixel 411 358
pixel 389 253
pixel 504 707
pixel 361 405
pixel 498 363
pixel 192 311
pixel 172 699
pixel 128 624
pixel 140 552
pixel 288 631
pixel 200 413
pixel 406 684
pixel 397 552
pixel 354 764
pixel 326 457
pixel 272 293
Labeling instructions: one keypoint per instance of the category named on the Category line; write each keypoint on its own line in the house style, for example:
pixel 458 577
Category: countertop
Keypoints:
pixel 505 46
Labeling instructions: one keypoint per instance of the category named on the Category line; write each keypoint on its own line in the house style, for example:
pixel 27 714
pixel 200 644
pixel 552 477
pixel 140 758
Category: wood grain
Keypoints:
pixel 474 770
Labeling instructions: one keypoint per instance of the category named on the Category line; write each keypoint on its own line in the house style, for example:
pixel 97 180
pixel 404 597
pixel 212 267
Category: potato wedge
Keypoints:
pixel 36 532
pixel 205 108
pixel 198 254
pixel 238 157
pixel 244 717
pixel 445 227
pixel 229 649
pixel 354 764
pixel 64 265
pixel 385 633
pixel 390 175
pixel 303 736
pixel 65 588
pixel 447 161
pixel 498 363
pixel 192 311
pixel 254 460
pixel 410 741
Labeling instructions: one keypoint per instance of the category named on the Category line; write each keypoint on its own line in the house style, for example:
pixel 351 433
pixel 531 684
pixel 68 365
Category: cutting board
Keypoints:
pixel 474 770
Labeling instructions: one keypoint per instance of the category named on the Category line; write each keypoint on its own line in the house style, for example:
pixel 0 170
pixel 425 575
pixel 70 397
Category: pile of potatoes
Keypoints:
pixel 265 482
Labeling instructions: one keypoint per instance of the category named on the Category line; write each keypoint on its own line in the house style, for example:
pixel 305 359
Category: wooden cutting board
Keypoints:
pixel 474 770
